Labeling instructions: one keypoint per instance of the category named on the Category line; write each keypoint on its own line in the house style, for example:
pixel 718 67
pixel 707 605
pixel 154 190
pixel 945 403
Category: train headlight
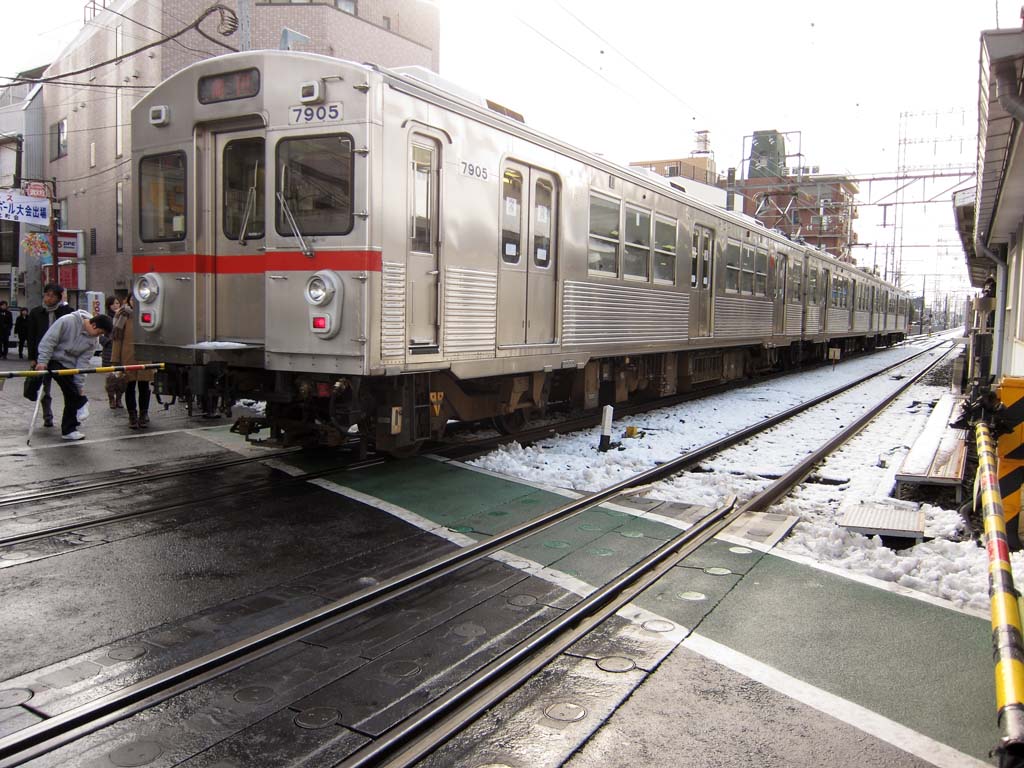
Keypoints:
pixel 325 295
pixel 319 290
pixel 146 290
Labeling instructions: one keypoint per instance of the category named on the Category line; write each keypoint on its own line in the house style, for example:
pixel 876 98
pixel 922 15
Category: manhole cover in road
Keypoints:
pixel 14 555
pixel 695 596
pixel 566 712
pixel 136 753
pixel 317 717
pixel 469 630
pixel 658 625
pixel 716 571
pixel 601 551
pixel 402 668
pixel 522 601
pixel 740 550
pixel 616 664
pixel 631 533
pixel 12 697
pixel 254 694
pixel 556 544
pixel 127 653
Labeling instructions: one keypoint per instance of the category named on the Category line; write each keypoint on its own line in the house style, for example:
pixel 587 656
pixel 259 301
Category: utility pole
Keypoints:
pixel 924 280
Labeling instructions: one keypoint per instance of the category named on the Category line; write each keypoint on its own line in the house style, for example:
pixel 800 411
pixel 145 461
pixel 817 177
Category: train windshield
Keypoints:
pixel 314 183
pixel 162 197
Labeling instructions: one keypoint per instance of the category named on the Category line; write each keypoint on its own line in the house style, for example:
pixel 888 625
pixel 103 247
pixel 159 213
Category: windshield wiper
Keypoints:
pixel 250 205
pixel 290 218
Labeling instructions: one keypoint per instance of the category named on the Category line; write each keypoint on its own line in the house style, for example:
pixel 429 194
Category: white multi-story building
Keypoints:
pixel 85 138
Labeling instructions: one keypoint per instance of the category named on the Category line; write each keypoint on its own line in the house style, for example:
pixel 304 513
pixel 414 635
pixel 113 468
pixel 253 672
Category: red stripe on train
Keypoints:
pixel 248 264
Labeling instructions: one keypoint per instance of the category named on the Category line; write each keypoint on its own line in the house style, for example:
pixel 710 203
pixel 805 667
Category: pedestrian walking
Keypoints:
pixel 70 343
pixel 124 354
pixel 115 383
pixel 21 330
pixel 39 321
pixel 6 326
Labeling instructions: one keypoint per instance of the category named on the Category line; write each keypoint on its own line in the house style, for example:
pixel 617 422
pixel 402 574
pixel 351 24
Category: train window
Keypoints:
pixel 244 188
pixel 603 246
pixel 636 262
pixel 314 178
pixel 732 266
pixel 511 216
pixel 423 198
pixel 747 272
pixel 162 197
pixel 761 273
pixel 812 286
pixel 664 251
pixel 795 267
pixel 695 266
pixel 543 206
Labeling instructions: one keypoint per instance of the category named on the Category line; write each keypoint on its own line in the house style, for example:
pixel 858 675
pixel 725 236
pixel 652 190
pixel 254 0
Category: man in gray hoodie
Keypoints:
pixel 70 343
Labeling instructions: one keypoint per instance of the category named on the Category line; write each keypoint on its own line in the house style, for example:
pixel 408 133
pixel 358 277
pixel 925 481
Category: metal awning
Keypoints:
pixel 999 196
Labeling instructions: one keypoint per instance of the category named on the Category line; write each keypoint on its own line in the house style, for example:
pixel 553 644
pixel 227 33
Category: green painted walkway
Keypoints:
pixel 921 665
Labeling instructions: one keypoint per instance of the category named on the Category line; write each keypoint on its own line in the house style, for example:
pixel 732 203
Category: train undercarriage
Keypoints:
pixel 398 414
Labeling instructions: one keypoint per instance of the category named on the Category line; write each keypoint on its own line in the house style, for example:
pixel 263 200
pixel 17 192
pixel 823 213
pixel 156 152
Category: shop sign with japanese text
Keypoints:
pixel 28 210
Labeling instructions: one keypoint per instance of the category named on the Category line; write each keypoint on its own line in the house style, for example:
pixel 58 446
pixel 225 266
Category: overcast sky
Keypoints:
pixel 635 80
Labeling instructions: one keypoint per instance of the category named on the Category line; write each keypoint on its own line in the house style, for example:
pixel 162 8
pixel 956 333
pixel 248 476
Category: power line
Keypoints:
pixel 636 66
pixel 227 26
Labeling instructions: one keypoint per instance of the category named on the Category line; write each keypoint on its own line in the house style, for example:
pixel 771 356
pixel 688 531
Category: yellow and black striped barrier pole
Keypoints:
pixel 1007 637
pixel 75 371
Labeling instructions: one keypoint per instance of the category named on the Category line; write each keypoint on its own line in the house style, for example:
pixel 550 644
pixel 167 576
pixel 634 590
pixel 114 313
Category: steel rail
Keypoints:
pixel 691 458
pixel 531 435
pixel 98 485
pixel 232 491
pixel 59 730
pixel 420 734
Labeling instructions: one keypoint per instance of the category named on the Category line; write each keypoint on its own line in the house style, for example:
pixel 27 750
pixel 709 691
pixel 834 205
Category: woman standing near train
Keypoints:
pixel 123 353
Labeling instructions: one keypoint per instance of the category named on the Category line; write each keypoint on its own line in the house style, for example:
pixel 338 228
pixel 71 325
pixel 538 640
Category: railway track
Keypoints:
pixel 413 738
pixel 464 450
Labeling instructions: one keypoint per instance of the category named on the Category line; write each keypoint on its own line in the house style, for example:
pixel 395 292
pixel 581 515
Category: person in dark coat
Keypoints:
pixel 39 321
pixel 6 325
pixel 21 330
pixel 115 382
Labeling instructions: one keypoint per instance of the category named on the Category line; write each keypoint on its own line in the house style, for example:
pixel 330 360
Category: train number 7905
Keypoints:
pixel 321 113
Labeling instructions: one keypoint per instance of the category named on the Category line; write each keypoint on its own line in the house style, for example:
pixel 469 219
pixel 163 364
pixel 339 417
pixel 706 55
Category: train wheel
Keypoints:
pixel 511 423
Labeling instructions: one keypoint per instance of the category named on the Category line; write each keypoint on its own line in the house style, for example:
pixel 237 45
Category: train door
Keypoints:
pixel 702 279
pixel 826 297
pixel 239 190
pixel 871 308
pixel 528 260
pixel 854 296
pixel 422 265
pixel 779 295
pixel 541 284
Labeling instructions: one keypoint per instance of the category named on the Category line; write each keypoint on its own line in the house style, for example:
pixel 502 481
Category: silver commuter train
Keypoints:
pixel 373 252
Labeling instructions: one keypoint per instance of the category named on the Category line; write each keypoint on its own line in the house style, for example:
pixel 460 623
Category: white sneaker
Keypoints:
pixel 76 435
pixel 83 413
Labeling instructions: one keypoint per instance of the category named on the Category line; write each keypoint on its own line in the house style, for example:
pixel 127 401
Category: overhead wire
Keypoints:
pixel 228 26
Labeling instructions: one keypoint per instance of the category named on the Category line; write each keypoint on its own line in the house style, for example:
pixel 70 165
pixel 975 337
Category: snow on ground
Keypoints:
pixel 864 469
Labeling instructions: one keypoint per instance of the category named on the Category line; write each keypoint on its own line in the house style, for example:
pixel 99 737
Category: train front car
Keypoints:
pixel 253 253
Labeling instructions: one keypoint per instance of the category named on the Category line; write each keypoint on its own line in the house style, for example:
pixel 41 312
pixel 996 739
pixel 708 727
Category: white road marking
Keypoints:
pixel 859 717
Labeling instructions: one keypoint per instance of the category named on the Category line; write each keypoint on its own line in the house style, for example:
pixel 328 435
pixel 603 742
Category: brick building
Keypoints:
pixel 86 139
pixel 819 209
